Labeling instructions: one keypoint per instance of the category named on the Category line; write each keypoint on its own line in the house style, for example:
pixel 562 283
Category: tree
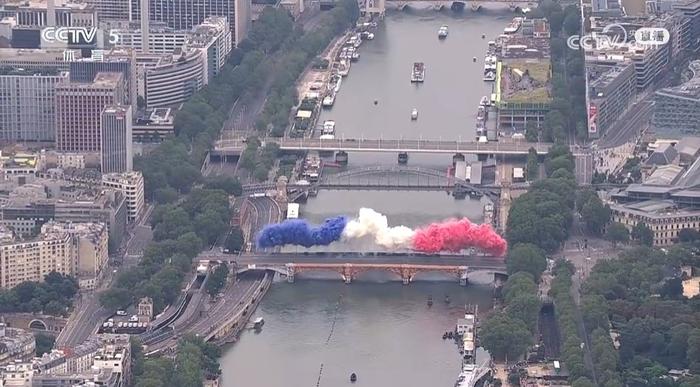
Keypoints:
pixel 617 233
pixel 583 382
pixel 505 337
pixel 44 343
pixel 572 23
pixel 518 284
pixel 595 214
pixel 533 170
pixel 643 234
pixel 115 298
pixel 531 132
pixel 528 258
pixel 234 240
pixel 688 235
pixel 526 308
pixel 217 280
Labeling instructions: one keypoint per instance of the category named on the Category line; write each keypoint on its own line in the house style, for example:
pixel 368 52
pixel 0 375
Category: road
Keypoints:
pixel 629 126
pixel 88 314
pixel 392 145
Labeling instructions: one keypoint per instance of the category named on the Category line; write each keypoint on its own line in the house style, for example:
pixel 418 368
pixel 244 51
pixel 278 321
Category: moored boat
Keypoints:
pixel 443 31
pixel 418 73
pixel 414 114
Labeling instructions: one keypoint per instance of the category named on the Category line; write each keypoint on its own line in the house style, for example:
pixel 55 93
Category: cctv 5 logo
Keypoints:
pixel 74 35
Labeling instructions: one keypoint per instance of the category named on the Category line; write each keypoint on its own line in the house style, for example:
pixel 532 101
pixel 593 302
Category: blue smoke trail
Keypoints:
pixel 300 232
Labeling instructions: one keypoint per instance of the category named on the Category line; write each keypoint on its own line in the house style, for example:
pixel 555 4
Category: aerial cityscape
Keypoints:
pixel 298 193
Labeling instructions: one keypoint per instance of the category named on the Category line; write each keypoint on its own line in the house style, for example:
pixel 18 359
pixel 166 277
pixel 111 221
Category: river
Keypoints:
pixel 377 327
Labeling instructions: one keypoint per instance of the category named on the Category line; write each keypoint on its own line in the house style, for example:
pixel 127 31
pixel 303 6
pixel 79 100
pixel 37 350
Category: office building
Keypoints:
pixel 15 344
pixel 35 13
pixel 33 59
pixel 113 61
pixel 78 110
pixel 154 125
pixel 663 217
pixel 213 39
pixel 116 154
pixel 112 9
pixel 186 14
pixel 161 38
pixel 172 79
pixel 33 258
pixel 131 185
pixel 27 103
pixel 690 9
pixel 677 108
pixel 90 243
pixel 612 88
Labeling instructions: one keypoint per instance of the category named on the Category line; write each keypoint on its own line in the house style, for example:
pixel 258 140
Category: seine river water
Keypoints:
pixel 376 327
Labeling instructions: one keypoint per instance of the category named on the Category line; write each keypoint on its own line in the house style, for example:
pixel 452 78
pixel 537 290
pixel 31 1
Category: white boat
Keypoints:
pixel 344 68
pixel 414 114
pixel 258 323
pixel 490 76
pixel 484 101
pixel 328 127
pixel 329 100
pixel 443 31
pixel 514 26
pixel 467 376
pixel 418 72
pixel 356 56
pixel 336 88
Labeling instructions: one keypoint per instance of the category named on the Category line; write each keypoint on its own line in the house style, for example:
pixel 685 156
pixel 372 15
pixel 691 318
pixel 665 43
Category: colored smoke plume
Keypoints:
pixel 300 232
pixel 456 235
pixel 371 223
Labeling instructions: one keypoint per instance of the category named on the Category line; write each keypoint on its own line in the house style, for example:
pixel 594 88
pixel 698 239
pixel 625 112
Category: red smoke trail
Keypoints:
pixel 456 235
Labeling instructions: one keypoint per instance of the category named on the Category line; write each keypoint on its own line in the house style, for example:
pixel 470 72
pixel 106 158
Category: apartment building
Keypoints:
pixel 131 185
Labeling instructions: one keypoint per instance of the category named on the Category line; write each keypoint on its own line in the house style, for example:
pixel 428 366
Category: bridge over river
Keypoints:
pixel 349 265
pixel 234 147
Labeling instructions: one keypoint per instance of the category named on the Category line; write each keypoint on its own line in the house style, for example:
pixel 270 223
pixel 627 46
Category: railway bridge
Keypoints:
pixel 378 7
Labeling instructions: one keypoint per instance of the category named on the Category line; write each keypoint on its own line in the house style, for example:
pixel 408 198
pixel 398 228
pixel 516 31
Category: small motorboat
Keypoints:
pixel 447 299
pixel 483 36
pixel 430 300
pixel 353 377
pixel 474 59
pixel 414 114
pixel 444 336
pixel 376 102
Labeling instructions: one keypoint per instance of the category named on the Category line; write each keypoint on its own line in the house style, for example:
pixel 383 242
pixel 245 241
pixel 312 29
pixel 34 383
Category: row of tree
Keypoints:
pixel 195 361
pixel 299 50
pixel 53 296
pixel 568 107
pixel 640 295
pixel 543 215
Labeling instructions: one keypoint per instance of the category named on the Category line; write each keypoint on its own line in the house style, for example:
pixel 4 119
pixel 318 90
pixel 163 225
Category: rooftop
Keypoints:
pixel 525 80
pixel 42 4
pixel 655 209
pixel 664 175
pixel 102 80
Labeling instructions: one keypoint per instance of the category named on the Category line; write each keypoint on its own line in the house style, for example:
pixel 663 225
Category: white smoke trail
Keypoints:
pixel 371 223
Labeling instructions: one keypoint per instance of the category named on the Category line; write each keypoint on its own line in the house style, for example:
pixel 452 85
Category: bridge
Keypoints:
pixel 234 147
pixel 350 264
pixel 378 7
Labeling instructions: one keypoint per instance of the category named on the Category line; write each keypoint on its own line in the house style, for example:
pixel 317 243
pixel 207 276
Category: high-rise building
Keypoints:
pixel 27 103
pixel 78 110
pixel 131 185
pixel 116 60
pixel 677 108
pixel 112 9
pixel 171 79
pixel 185 14
pixel 116 154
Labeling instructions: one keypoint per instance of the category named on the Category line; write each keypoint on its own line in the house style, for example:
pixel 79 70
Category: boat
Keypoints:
pixel 481 113
pixel 443 31
pixel 447 299
pixel 403 159
pixel 334 82
pixel 488 213
pixel 353 377
pixel 328 127
pixel 484 101
pixel 258 323
pixel 474 59
pixel 418 73
pixel 490 76
pixel 430 300
pixel 514 25
pixel 414 114
pixel 329 100
pixel 355 56
pixel 344 68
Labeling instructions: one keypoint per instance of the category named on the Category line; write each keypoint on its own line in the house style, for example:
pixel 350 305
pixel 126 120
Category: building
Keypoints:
pixel 113 61
pixel 18 164
pixel 116 154
pixel 131 185
pixel 104 362
pixel 690 9
pixel 172 79
pixel 186 14
pixel 112 9
pixel 34 13
pixel 32 259
pixel 677 108
pixel 522 91
pixel 612 88
pixel 663 217
pixel 154 125
pixel 26 207
pixel 27 103
pixel 15 344
pixel 78 110
pixel 213 38
pixel 161 38
pixel 90 241
pixel 33 59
